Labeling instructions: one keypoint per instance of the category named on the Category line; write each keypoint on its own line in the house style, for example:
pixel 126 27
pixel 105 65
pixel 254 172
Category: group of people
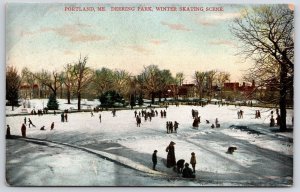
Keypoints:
pixel 64 117
pixel 180 166
pixel 213 125
pixel 240 114
pixel 172 127
pixel 257 114
pixel 278 119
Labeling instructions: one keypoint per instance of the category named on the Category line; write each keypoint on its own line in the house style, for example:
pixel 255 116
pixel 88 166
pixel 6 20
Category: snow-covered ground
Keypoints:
pixel 116 152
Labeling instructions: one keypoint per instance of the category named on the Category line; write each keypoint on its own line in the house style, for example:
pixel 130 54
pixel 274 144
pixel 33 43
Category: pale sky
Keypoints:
pixel 45 36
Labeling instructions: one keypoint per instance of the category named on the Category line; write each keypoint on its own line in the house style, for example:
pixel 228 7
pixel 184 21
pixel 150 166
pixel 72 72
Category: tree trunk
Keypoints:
pixel 79 101
pixel 152 97
pixel 69 96
pixel 282 100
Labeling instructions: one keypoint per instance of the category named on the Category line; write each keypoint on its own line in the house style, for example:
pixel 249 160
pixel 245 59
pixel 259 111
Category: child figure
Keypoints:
pixel 154 159
pixel 193 161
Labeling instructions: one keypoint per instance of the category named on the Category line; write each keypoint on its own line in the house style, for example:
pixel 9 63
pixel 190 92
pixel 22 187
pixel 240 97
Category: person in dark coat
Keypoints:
pixel 180 165
pixel 100 117
pixel 8 135
pixel 278 119
pixel 23 130
pixel 25 120
pixel 42 128
pixel 272 122
pixel 176 126
pixel 52 126
pixel 187 172
pixel 171 160
pixel 154 159
pixel 62 117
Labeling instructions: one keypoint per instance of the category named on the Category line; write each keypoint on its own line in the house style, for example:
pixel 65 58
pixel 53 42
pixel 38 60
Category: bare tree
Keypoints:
pixel 221 78
pixel 28 78
pixel 268 32
pixel 50 80
pixel 82 76
pixel 200 78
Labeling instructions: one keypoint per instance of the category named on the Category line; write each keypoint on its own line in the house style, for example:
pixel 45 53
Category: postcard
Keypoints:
pixel 149 94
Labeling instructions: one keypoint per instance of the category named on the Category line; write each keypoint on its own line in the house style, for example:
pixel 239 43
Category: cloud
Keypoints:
pixel 214 19
pixel 178 27
pixel 222 42
pixel 67 52
pixel 139 49
pixel 71 32
pixel 157 41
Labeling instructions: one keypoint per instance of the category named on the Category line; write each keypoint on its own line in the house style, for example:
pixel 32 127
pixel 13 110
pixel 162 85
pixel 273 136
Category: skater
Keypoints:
pixel 193 161
pixel 161 114
pixel 241 114
pixel 92 114
pixel 176 126
pixel 238 114
pixel 165 114
pixel 30 122
pixel 42 128
pixel 180 165
pixel 62 117
pixel 154 159
pixel 272 122
pixel 187 172
pixel 8 135
pixel 171 160
pixel 278 119
pixel 113 112
pixel 171 126
pixel 100 117
pixel 66 117
pixel 23 130
pixel 212 126
pixel 217 123
pixel 25 120
pixel 135 113
pixel 167 126
pixel 258 114
pixel 138 121
pixel 52 126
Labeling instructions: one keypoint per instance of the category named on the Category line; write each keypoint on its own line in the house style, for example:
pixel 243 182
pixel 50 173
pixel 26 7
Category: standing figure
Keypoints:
pixel 52 126
pixel 171 160
pixel 100 117
pixel 176 126
pixel 193 161
pixel 135 113
pixel 278 120
pixel 138 121
pixel 25 120
pixel 272 122
pixel 165 114
pixel 8 135
pixel 92 114
pixel 23 130
pixel 171 126
pixel 66 117
pixel 62 117
pixel 154 159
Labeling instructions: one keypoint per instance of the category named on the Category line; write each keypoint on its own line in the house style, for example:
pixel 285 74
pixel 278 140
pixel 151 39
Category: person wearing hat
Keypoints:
pixel 154 159
pixel 187 172
pixel 193 161
pixel 171 160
